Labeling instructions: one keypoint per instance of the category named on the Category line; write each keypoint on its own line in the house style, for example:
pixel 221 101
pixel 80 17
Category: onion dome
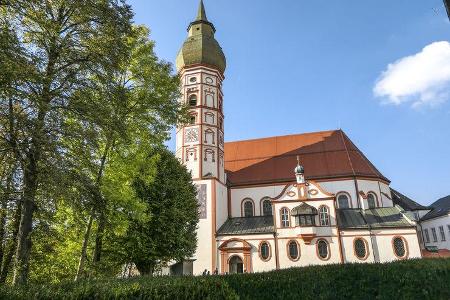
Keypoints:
pixel 200 46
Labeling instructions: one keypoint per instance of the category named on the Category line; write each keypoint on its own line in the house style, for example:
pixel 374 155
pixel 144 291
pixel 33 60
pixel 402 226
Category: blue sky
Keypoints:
pixel 299 66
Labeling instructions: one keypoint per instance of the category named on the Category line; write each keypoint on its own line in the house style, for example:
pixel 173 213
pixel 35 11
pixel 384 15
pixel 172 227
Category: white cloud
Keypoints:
pixel 422 78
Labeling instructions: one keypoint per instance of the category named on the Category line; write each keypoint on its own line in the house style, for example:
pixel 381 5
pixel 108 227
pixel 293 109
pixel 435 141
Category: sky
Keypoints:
pixel 380 70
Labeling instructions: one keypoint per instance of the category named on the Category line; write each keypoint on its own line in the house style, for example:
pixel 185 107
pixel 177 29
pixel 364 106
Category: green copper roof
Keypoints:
pixel 382 217
pixel 200 46
pixel 247 225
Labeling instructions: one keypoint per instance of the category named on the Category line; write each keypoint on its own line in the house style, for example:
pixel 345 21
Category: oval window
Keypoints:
pixel 193 79
pixel 293 250
pixel 360 249
pixel 264 251
pixel 399 247
pixel 322 248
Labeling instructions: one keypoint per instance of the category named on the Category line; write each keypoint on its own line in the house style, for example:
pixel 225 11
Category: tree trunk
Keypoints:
pixel 102 201
pixel 87 234
pixel 83 254
pixel 23 250
pixel 11 244
pixel 3 213
pixel 99 237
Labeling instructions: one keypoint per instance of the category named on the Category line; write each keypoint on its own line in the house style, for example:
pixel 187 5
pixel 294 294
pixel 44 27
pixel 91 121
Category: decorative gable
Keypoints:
pixel 310 190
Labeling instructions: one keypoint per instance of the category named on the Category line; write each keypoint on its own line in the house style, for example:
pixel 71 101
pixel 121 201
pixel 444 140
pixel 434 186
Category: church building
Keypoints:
pixel 278 202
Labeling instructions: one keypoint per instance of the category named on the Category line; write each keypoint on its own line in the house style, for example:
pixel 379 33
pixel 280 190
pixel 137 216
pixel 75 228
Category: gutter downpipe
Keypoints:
pixel 375 259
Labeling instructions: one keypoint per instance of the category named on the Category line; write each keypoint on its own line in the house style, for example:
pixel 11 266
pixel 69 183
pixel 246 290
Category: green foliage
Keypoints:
pixel 169 231
pixel 412 279
pixel 137 288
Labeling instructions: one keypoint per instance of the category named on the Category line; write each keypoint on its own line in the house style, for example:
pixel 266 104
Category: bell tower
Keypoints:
pixel 200 144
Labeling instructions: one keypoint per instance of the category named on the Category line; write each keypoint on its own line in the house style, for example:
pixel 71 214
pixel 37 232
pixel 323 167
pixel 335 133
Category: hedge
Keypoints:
pixel 173 288
pixel 412 279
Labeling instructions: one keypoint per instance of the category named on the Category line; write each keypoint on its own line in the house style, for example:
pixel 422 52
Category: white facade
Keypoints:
pixel 436 232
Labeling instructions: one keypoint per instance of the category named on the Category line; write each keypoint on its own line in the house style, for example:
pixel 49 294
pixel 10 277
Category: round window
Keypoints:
pixel 193 79
pixel 209 80
pixel 360 249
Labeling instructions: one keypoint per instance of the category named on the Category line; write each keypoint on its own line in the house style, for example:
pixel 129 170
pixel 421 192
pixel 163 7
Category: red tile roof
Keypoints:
pixel 325 155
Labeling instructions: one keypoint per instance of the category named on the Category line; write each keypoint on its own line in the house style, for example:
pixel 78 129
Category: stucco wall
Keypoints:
pixel 435 223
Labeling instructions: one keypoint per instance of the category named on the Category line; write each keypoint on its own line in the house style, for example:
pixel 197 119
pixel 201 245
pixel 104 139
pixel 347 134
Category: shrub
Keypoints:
pixel 172 288
pixel 412 279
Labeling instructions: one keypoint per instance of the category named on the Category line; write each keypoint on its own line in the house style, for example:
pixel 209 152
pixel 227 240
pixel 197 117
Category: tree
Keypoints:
pixel 60 45
pixel 142 106
pixel 169 233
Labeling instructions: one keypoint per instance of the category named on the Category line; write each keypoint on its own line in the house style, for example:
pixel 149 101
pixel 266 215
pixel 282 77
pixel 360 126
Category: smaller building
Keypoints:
pixel 436 225
pixel 433 223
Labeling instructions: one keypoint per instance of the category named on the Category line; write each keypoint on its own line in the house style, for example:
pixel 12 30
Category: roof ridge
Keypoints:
pixel 287 155
pixel 348 155
pixel 280 136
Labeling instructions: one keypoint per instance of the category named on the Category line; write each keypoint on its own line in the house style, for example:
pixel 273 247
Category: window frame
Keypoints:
pixel 305 223
pixel 245 200
pixel 349 199
pixel 318 251
pixel 375 200
pixel 442 233
pixel 366 247
pixel 269 249
pixel 405 245
pixel 265 199
pixel 427 235
pixel 327 214
pixel 434 234
pixel 288 217
pixel 288 250
pixel 191 96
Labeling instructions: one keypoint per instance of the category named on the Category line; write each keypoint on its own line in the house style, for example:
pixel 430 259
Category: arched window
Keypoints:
pixel 360 248
pixel 293 250
pixel 193 100
pixel 324 216
pixel 400 247
pixel 266 207
pixel 371 200
pixel 264 251
pixel 322 249
pixel 343 201
pixel 284 217
pixel 248 208
pixel 209 99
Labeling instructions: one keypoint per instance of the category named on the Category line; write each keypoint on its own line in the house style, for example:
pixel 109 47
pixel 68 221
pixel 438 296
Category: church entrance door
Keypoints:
pixel 236 266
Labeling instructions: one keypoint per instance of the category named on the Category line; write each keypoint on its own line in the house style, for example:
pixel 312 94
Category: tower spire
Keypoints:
pixel 201 15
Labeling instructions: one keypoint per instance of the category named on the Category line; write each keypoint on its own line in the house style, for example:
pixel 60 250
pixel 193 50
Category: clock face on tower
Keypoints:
pixel 191 135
